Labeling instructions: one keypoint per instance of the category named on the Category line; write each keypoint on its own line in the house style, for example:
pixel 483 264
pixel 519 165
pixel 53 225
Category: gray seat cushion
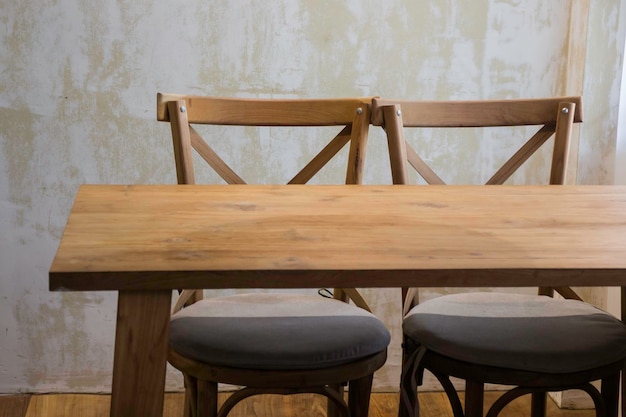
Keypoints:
pixel 276 331
pixel 522 332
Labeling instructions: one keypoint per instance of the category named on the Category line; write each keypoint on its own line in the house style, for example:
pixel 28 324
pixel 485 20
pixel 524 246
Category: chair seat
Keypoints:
pixel 521 332
pixel 276 331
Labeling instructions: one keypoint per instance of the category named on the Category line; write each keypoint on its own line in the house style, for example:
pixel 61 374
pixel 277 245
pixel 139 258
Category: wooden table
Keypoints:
pixel 144 241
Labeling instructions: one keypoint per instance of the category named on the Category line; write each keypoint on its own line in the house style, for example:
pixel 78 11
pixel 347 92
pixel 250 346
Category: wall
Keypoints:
pixel 77 105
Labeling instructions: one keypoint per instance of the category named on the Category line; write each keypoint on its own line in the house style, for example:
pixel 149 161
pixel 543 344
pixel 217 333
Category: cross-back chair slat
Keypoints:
pixel 526 151
pixel 213 159
pixel 323 157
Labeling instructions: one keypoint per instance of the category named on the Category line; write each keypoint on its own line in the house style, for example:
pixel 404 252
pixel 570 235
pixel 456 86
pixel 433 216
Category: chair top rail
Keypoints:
pixel 264 112
pixel 509 112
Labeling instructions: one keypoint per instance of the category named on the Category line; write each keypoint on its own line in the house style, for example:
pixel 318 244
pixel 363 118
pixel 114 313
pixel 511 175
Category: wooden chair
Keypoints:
pixel 535 343
pixel 267 342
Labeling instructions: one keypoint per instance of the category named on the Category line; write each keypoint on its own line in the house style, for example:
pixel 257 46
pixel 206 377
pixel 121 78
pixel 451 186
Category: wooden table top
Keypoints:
pixel 296 236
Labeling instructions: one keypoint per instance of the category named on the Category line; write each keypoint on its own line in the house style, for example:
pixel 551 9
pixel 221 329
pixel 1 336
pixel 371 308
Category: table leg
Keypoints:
pixel 141 344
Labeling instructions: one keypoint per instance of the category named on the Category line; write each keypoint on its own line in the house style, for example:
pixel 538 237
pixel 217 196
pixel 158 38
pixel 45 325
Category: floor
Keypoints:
pixel 304 405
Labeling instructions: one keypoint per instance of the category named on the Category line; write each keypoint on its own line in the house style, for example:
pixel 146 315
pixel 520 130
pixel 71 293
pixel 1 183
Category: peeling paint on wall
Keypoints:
pixel 59 326
pixel 16 126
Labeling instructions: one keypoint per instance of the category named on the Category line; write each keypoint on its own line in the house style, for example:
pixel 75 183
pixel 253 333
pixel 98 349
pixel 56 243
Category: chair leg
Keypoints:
pixel 474 398
pixel 207 399
pixel 453 396
pixel 408 390
pixel 332 409
pixel 609 389
pixel 408 399
pixel 538 404
pixel 191 396
pixel 359 391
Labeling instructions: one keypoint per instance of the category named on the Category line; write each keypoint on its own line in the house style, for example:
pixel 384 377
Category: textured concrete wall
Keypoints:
pixel 78 81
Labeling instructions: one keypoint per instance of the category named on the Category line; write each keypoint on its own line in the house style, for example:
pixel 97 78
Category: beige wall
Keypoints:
pixel 78 82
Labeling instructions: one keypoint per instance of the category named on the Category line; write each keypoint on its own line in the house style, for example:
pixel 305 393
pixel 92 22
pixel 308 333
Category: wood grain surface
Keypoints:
pixel 201 236
pixel 434 404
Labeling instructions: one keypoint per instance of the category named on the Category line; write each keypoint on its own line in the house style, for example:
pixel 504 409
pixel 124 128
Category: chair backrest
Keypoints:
pixel 350 115
pixel 553 116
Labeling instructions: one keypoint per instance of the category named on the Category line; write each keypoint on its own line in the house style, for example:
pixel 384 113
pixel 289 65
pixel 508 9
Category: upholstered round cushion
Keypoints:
pixel 276 331
pixel 522 332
